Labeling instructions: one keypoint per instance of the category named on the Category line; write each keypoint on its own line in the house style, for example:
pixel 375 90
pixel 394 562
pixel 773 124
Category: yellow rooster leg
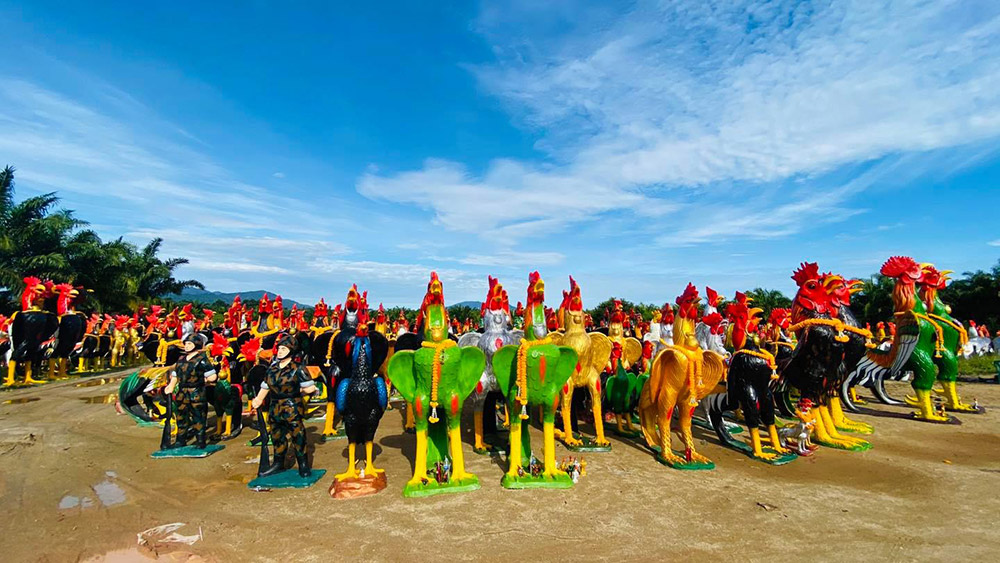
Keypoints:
pixel 618 423
pixel 855 398
pixel 410 424
pixel 686 415
pixel 758 450
pixel 826 419
pixel 506 417
pixel 477 424
pixel 219 423
pixel 952 400
pixel 841 421
pixel 420 466
pixel 549 441
pixel 457 457
pixel 352 471
pixel 229 424
pixel 772 431
pixel 567 420
pixel 52 367
pixel 81 365
pixel 28 380
pixel 328 429
pixel 11 372
pixel 926 411
pixel 370 468
pixel 600 440
pixel 514 458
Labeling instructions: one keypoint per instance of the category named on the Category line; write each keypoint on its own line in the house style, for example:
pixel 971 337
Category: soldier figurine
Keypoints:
pixel 191 372
pixel 285 384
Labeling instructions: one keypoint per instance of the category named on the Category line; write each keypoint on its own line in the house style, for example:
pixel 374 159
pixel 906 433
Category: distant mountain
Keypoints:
pixel 208 297
pixel 473 304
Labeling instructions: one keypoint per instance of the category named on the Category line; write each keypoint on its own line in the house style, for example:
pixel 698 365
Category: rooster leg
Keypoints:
pixel 758 450
pixel 514 458
pixel 81 365
pixel 220 422
pixel 229 424
pixel 328 429
pixel 410 424
pixel 772 431
pixel 477 422
pixel 549 438
pixel 855 398
pixel 952 400
pixel 686 415
pixel 28 380
pixel 370 468
pixel 841 421
pixel 420 466
pixel 566 409
pixel 926 411
pixel 352 470
pixel 595 400
pixel 826 421
pixel 457 457
pixel 11 372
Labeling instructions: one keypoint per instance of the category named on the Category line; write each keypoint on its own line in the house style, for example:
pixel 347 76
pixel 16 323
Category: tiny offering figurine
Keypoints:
pixel 533 373
pixel 436 379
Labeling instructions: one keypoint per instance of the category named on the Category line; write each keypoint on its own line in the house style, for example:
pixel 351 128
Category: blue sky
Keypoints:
pixel 636 146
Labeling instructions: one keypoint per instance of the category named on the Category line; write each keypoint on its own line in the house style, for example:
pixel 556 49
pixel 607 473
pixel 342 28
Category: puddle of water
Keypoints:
pixel 21 400
pixel 96 382
pixel 70 501
pixel 109 493
pixel 100 399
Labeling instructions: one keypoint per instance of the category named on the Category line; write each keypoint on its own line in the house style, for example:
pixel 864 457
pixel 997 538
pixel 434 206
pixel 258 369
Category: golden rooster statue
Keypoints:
pixel 681 375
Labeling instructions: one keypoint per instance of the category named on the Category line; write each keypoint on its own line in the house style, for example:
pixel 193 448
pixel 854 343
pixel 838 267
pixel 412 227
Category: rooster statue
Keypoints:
pixel 533 372
pixel 748 387
pixel 681 375
pixel 29 329
pixel 496 334
pixel 919 344
pixel 814 368
pixel 622 386
pixel 72 325
pixel 593 351
pixel 361 394
pixel 436 379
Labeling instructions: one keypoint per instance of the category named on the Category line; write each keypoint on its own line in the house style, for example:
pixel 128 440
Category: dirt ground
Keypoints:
pixel 77 482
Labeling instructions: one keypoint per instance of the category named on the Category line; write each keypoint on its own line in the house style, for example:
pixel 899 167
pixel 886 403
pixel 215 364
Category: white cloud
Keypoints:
pixel 994 242
pixel 238 267
pixel 278 175
pixel 651 112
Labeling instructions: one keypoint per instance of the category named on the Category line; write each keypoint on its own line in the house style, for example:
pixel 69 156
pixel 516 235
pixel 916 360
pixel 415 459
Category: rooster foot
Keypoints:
pixel 349 474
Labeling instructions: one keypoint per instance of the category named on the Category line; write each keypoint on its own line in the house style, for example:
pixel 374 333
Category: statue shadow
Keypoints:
pixel 404 442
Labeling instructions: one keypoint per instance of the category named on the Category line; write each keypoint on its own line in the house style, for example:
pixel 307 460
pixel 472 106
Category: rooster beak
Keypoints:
pixel 755 311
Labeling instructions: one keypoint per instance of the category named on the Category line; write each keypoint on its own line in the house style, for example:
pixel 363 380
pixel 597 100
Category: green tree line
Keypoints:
pixel 39 238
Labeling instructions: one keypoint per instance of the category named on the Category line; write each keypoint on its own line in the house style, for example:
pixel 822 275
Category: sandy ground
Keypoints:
pixel 77 482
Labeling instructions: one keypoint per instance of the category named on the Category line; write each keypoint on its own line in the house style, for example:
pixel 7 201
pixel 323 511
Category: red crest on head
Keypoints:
pixel 618 315
pixel 713 296
pixel 265 304
pixel 806 271
pixel 320 310
pixel 496 298
pixel 900 267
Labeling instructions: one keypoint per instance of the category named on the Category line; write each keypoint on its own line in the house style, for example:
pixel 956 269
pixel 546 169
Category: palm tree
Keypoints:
pixel 768 299
pixel 150 276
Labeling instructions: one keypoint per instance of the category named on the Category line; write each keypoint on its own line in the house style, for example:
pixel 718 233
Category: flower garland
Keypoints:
pixel 522 372
pixel 439 348
pixel 963 337
pixel 764 355
pixel 938 333
pixel 836 324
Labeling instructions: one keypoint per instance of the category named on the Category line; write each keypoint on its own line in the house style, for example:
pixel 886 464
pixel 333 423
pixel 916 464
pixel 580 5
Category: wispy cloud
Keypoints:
pixel 650 112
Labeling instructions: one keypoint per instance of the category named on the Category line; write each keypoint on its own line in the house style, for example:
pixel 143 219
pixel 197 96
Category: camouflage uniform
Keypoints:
pixel 192 408
pixel 286 407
